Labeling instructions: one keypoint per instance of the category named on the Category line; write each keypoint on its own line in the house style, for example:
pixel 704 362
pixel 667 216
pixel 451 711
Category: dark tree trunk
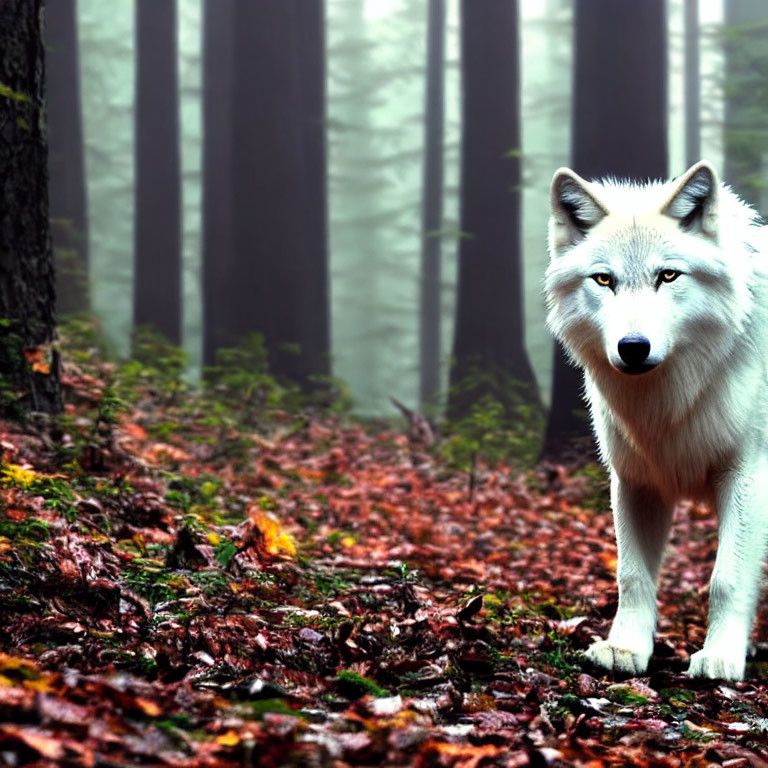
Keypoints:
pixel 488 346
pixel 692 84
pixel 313 309
pixel 619 128
pixel 619 119
pixel 268 152
pixel 157 252
pixel 218 161
pixel 69 217
pixel 746 92
pixel 27 362
pixel 275 283
pixel 432 205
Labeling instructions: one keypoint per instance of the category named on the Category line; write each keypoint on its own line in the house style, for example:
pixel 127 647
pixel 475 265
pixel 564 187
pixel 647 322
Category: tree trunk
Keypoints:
pixel 313 309
pixel 276 281
pixel 28 365
pixel 619 128
pixel 157 252
pixel 692 84
pixel 218 162
pixel 432 206
pixel 68 206
pixel 268 150
pixel 488 348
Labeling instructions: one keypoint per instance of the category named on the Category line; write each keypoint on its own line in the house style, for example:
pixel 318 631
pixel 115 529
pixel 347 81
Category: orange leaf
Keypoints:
pixel 311 474
pixel 36 358
pixel 228 739
pixel 275 540
pixel 148 707
pixel 135 431
pixel 161 452
pixel 610 560
pixel 42 685
pixel 8 662
pixel 469 755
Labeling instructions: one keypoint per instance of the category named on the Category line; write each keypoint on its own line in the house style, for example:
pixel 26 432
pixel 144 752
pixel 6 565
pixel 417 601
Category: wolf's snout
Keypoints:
pixel 634 351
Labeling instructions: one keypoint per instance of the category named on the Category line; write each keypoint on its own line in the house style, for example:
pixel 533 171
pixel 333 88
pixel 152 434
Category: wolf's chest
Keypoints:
pixel 678 460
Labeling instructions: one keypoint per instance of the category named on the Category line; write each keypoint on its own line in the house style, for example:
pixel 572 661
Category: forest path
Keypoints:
pixel 177 591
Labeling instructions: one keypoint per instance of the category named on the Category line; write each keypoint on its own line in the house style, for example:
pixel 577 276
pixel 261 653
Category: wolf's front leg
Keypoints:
pixel 642 523
pixel 735 583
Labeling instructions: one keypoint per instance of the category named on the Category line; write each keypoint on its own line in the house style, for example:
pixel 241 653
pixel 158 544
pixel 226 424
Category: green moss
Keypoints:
pixel 358 684
pixel 623 694
pixel 678 698
pixel 225 551
pixel 8 93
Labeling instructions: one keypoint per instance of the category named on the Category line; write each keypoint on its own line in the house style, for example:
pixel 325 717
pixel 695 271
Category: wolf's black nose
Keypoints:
pixel 634 350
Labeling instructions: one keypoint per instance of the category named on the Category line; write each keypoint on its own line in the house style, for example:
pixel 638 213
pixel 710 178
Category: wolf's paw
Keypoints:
pixel 717 666
pixel 630 661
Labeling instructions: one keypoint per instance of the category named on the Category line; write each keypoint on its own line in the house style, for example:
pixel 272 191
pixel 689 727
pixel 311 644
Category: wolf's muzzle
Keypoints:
pixel 633 351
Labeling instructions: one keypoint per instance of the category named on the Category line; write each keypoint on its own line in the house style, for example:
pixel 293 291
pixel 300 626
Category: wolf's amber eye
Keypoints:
pixel 668 275
pixel 604 279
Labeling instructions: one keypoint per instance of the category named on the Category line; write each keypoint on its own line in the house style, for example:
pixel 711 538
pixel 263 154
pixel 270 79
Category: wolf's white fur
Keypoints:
pixel 696 424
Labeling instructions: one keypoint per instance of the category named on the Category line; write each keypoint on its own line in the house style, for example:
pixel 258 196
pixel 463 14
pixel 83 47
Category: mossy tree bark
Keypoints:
pixel 29 366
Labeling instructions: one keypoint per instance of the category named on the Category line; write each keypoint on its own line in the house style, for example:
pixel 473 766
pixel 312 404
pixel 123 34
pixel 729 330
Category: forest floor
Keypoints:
pixel 177 591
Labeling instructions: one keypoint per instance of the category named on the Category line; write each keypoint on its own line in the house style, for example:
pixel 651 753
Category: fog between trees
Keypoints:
pixel 376 66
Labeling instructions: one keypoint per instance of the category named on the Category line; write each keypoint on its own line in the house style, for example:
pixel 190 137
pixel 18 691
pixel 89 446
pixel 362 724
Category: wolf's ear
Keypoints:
pixel 575 210
pixel 693 201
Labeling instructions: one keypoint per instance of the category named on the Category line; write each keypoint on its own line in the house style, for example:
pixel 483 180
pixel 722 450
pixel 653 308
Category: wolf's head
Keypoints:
pixel 652 277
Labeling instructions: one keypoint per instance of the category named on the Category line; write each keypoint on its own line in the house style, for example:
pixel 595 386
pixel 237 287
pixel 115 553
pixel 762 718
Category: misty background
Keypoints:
pixel 375 80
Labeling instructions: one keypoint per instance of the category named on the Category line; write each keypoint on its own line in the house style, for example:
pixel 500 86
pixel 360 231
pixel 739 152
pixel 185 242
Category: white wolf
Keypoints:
pixel 659 292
